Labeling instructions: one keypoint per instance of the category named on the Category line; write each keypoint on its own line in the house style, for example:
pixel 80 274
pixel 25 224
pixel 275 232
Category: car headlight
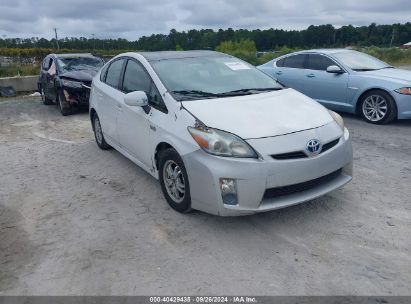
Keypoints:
pixel 221 143
pixel 405 91
pixel 337 118
pixel 72 84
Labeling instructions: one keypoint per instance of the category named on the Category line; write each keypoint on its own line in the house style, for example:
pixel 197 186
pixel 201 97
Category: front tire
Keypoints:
pixel 174 180
pixel 98 134
pixel 378 107
pixel 65 109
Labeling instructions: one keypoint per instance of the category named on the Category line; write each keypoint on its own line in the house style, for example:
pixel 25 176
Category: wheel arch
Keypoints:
pixel 161 146
pixel 359 99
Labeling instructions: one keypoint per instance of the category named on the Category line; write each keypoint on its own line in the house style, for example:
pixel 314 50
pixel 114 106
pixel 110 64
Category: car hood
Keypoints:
pixel 81 75
pixel 399 75
pixel 261 115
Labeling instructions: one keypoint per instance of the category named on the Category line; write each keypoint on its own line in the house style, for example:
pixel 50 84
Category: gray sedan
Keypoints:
pixel 347 81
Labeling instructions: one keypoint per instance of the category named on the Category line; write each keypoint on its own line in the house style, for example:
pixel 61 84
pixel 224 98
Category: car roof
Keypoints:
pixel 74 55
pixel 164 55
pixel 325 51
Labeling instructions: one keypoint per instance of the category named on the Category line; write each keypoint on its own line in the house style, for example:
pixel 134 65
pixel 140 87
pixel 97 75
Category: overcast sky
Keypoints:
pixel 132 19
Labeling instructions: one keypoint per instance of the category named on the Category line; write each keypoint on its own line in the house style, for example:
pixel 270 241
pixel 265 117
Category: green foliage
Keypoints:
pixel 267 57
pixel 271 55
pixel 245 45
pixel 394 56
pixel 40 53
pixel 265 40
pixel 244 49
pixel 179 48
pixel 26 61
pixel 373 39
pixel 19 70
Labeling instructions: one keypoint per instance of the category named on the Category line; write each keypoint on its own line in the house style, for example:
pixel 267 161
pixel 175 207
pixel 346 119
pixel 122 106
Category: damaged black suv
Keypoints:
pixel 65 79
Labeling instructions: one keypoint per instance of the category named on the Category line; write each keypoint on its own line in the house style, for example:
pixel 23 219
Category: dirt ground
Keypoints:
pixel 76 220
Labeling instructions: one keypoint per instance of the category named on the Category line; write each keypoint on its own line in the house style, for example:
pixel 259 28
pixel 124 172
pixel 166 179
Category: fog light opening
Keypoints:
pixel 228 189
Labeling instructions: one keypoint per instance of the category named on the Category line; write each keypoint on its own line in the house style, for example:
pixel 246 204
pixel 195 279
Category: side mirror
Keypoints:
pixel 334 69
pixel 136 99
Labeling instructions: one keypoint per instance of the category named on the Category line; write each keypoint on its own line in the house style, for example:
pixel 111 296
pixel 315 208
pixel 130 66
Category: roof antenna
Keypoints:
pixel 57 40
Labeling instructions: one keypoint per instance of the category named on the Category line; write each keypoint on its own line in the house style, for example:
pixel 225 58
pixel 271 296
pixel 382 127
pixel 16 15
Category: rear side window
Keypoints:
pixel 135 78
pixel 280 63
pixel 295 61
pixel 114 73
pixel 319 62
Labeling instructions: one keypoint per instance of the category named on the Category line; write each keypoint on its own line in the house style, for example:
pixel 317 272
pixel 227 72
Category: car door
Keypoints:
pixel 46 79
pixel 290 71
pixel 43 72
pixel 133 122
pixel 329 89
pixel 110 98
pixel 50 77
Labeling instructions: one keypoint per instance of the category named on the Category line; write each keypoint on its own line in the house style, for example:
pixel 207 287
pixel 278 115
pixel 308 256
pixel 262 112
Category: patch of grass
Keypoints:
pixel 19 70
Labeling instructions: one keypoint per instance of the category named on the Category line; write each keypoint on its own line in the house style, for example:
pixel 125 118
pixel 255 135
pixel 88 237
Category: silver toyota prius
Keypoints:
pixel 220 135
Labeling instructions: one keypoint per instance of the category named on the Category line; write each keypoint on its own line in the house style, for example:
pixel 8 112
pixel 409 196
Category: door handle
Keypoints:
pixel 279 72
pixel 311 75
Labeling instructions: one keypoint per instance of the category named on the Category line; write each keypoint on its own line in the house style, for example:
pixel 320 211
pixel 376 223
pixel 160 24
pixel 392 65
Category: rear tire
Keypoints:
pixel 98 134
pixel 46 101
pixel 174 180
pixel 378 107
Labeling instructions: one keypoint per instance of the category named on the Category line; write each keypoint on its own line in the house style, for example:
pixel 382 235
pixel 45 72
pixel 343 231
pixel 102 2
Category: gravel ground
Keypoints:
pixel 75 220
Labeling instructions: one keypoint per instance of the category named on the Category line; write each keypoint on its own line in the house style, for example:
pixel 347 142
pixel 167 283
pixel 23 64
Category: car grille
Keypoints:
pixel 329 145
pixel 301 154
pixel 296 188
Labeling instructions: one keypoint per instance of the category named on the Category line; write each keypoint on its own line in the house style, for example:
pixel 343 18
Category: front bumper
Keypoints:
pixel 403 105
pixel 76 96
pixel 255 176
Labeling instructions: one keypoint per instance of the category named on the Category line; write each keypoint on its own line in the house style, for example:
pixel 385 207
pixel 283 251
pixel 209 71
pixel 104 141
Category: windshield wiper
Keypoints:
pixel 196 93
pixel 364 70
pixel 250 91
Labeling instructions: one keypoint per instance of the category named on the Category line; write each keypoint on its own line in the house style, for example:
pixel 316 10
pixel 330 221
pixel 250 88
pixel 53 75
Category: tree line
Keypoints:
pixel 265 40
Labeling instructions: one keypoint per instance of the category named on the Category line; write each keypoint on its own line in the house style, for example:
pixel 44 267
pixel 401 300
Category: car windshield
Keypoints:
pixel 79 63
pixel 358 61
pixel 212 77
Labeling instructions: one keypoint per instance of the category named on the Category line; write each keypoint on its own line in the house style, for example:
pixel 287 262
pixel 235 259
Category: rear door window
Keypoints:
pixel 295 61
pixel 319 62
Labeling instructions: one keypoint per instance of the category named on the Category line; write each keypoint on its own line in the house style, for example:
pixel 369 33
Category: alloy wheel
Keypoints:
pixel 375 108
pixel 174 181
